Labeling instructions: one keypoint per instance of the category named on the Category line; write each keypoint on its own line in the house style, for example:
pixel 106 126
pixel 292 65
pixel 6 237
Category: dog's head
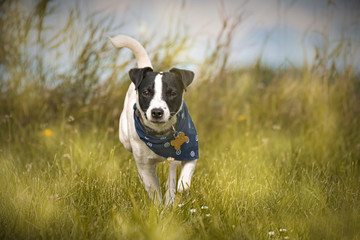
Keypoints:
pixel 160 94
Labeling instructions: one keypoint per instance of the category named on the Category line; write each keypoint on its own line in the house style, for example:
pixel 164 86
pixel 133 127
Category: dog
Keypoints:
pixel 155 124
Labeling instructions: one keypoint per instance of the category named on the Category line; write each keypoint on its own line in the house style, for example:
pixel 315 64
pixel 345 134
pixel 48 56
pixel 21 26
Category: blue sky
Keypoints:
pixel 280 30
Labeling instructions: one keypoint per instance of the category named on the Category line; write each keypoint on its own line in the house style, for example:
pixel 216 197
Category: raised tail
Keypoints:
pixel 125 41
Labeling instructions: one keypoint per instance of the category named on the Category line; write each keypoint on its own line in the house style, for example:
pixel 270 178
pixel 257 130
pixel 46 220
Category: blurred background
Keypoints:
pixel 279 31
pixel 46 45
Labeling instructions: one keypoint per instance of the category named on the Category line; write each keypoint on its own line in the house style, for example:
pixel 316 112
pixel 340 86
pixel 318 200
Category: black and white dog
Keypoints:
pixel 155 124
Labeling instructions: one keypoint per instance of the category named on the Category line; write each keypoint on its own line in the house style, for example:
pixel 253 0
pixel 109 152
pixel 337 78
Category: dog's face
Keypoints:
pixel 160 94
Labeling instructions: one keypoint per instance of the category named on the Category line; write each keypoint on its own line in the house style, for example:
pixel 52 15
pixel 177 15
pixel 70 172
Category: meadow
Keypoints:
pixel 279 147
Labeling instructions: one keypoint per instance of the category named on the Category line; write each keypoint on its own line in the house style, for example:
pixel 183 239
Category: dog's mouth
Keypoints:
pixel 157 122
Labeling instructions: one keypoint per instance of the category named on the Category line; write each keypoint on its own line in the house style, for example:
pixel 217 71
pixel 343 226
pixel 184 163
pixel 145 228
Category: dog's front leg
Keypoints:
pixel 148 176
pixel 171 183
pixel 187 171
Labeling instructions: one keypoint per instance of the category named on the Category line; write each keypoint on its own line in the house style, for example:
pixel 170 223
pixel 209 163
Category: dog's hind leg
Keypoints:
pixel 171 183
pixel 148 176
pixel 187 171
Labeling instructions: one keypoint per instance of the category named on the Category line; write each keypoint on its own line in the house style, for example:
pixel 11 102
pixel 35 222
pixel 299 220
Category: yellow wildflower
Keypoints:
pixel 47 132
pixel 241 117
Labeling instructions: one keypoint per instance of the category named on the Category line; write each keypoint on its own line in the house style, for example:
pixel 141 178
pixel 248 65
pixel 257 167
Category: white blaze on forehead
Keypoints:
pixel 157 101
pixel 158 88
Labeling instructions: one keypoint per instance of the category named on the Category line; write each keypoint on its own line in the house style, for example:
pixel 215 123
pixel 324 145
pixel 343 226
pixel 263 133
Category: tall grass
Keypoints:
pixel 279 148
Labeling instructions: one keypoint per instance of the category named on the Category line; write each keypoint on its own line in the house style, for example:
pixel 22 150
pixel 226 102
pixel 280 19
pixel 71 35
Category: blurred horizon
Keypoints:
pixel 279 31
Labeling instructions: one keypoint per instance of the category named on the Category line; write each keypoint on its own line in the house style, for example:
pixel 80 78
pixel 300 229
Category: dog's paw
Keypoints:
pixel 183 186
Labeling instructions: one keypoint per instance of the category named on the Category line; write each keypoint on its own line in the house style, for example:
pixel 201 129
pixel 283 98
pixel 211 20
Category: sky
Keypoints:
pixel 281 31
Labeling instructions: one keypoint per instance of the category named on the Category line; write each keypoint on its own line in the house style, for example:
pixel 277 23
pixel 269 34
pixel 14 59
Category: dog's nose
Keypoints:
pixel 157 113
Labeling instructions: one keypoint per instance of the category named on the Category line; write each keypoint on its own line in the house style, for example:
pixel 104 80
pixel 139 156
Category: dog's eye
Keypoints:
pixel 171 93
pixel 146 93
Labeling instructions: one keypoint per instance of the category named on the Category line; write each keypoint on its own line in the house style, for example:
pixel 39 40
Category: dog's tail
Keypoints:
pixel 125 41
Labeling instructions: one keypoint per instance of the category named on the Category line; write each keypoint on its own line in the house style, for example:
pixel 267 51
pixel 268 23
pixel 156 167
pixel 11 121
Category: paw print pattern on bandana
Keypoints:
pixel 179 140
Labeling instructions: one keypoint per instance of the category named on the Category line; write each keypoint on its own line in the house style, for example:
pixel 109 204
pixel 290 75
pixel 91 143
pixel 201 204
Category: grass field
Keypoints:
pixel 279 154
pixel 284 156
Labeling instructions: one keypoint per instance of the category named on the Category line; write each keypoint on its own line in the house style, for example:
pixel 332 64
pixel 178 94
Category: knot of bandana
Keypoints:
pixel 164 145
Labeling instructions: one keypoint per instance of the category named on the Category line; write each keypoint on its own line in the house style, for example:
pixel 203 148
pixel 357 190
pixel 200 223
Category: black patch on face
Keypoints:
pixel 172 92
pixel 146 90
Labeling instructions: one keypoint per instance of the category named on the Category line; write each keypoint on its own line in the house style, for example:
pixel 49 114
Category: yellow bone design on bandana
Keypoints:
pixel 179 140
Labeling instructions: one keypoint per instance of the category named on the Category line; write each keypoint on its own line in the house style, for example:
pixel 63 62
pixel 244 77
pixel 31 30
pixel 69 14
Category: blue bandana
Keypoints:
pixel 167 146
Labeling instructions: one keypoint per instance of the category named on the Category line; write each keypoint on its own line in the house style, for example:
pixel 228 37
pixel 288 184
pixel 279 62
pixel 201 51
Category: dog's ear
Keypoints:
pixel 186 76
pixel 138 74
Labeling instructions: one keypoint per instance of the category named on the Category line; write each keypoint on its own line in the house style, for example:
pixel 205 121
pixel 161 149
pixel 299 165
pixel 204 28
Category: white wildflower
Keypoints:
pixel 53 197
pixel 71 119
